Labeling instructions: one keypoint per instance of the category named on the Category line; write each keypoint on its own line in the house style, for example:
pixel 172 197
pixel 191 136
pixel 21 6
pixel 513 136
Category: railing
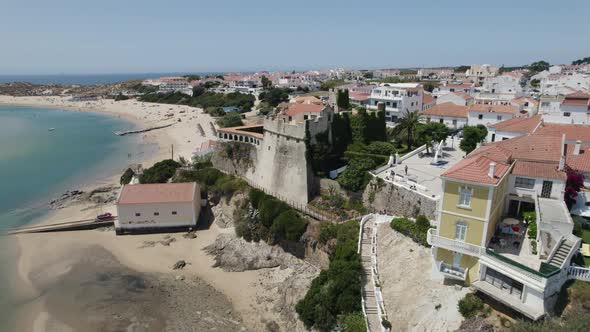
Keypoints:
pixel 580 273
pixel 453 271
pixel 522 269
pixel 555 248
pixel 454 245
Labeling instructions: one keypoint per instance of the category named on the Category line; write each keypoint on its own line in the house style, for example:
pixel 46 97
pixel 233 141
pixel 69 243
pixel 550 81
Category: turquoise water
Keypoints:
pixel 37 165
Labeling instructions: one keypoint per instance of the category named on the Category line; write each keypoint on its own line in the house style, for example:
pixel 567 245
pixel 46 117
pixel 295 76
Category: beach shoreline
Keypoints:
pixel 185 138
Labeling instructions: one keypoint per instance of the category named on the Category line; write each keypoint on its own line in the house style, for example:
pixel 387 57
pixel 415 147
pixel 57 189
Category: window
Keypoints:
pixel 524 183
pixel 137 214
pixel 499 118
pixel 566 114
pixel 174 213
pixel 454 122
pixel 441 121
pixel 460 231
pixel 427 119
pixel 480 116
pixel 156 213
pixel 465 196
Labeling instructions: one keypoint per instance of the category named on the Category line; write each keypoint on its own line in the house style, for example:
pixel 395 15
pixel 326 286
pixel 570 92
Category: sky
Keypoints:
pixel 128 36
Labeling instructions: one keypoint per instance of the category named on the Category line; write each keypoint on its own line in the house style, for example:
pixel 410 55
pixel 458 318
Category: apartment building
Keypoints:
pixel 562 84
pixel 481 238
pixel 436 73
pixel 478 73
pixel 450 87
pixel 573 108
pixel 457 98
pixel 505 86
pixel 397 98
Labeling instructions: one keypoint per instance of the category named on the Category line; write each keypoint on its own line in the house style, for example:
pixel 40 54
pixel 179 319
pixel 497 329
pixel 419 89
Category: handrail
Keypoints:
pixel 446 243
pixel 527 270
pixel 574 272
pixel 555 248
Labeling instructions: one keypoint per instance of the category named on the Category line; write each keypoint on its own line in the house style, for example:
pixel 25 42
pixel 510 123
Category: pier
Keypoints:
pixel 61 227
pixel 129 132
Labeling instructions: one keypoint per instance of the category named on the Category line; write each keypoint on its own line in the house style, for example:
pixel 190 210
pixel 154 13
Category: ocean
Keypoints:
pixel 37 165
pixel 88 79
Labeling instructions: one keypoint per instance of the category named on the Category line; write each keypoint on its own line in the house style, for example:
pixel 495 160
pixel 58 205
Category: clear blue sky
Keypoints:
pixel 125 36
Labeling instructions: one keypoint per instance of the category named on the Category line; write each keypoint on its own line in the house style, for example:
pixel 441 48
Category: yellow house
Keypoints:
pixel 481 238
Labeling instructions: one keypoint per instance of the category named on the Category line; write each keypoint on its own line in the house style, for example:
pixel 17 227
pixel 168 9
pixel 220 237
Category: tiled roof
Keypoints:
pixel 303 108
pixel 307 100
pixel 484 108
pixel 518 125
pixel 572 132
pixel 459 85
pixel 522 100
pixel 580 162
pixel 361 96
pixel 447 109
pixel 475 169
pixel 427 99
pixel 539 170
pixel 463 95
pixel 157 193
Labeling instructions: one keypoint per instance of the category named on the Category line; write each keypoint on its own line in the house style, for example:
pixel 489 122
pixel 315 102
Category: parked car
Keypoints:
pixel 104 217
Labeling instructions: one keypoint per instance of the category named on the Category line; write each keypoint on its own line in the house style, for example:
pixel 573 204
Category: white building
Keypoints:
pixel 573 109
pixel 157 207
pixel 449 87
pixel 560 84
pixel 397 98
pixel 490 114
pixel 514 127
pixel 505 86
pixel 457 98
pixel 478 73
pixel 453 116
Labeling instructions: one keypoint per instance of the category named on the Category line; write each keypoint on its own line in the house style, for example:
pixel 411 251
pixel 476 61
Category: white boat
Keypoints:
pixel 51 129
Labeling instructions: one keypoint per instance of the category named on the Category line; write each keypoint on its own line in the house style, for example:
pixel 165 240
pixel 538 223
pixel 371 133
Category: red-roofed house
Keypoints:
pixel 453 116
pixel 485 114
pixel 481 239
pixel 513 128
pixel 449 87
pixel 157 207
pixel 427 101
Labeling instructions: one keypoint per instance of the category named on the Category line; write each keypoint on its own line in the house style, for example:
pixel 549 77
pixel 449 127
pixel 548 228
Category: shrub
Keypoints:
pixel 232 119
pixel 532 231
pixel 534 246
pixel 270 208
pixel 354 322
pixel 160 172
pixel 127 176
pixel 288 226
pixel 529 216
pixel 470 305
pixel 336 291
pixel 328 231
pixel 415 230
pixel 256 196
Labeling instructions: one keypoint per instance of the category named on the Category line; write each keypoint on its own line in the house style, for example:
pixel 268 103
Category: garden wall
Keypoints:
pixel 381 196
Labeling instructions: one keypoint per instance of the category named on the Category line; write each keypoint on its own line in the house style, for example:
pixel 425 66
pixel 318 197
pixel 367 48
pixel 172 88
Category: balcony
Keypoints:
pixel 451 271
pixel 453 245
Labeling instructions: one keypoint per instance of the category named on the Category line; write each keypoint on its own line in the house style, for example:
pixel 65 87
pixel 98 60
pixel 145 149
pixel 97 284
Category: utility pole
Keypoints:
pixel 172 145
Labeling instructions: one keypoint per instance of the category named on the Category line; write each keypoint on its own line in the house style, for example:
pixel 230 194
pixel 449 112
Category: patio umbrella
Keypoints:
pixel 511 221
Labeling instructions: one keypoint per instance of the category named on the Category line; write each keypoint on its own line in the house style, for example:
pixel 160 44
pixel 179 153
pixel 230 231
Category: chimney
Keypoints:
pixel 562 157
pixel 577 147
pixel 492 169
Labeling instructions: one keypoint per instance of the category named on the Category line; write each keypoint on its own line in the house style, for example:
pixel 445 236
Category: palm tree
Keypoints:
pixel 407 125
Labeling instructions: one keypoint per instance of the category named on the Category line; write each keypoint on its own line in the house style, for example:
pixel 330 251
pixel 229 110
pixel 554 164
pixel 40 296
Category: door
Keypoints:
pixel 513 208
pixel 457 259
pixel 546 191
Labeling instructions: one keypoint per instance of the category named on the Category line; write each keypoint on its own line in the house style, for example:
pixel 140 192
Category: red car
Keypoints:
pixel 104 217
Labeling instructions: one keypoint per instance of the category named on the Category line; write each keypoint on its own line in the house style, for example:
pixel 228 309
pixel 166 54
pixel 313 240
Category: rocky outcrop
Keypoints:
pixel 224 210
pixel 236 255
pixel 97 196
pixel 384 197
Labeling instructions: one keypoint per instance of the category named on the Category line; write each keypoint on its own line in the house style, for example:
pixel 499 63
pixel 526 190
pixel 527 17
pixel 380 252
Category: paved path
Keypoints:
pixel 368 291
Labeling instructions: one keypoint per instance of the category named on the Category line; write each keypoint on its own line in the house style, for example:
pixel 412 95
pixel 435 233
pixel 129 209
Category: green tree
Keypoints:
pixel 231 119
pixel 275 96
pixel 368 75
pixel 539 66
pixel 461 69
pixel 342 99
pixel 355 176
pixel 160 172
pixel 432 132
pixel 127 176
pixel 472 135
pixel 429 86
pixel 198 91
pixel 266 83
pixel 583 61
pixel 408 125
pixel 359 127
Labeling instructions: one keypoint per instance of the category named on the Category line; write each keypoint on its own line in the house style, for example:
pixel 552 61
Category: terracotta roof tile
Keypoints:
pixel 580 162
pixel 518 125
pixel 484 108
pixel 475 169
pixel 572 132
pixel 157 193
pixel 303 108
pixel 427 99
pixel 539 170
pixel 447 109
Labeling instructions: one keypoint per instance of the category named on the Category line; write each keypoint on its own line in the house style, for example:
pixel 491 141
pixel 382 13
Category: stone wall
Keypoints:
pixel 394 200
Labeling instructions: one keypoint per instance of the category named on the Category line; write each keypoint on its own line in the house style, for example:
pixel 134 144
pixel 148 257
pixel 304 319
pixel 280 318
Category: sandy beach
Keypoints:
pixel 74 262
